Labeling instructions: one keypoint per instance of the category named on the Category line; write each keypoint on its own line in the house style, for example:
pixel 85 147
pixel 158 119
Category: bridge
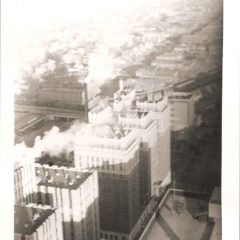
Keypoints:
pixel 56 112
pixel 31 123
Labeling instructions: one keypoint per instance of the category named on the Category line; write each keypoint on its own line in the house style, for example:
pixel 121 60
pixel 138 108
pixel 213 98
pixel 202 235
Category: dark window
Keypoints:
pixel 47 199
pixel 39 199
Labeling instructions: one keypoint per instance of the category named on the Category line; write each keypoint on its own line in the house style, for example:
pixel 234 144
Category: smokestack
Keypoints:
pixel 121 85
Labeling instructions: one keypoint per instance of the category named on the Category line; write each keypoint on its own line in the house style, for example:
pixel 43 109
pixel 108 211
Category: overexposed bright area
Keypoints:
pixel 231 120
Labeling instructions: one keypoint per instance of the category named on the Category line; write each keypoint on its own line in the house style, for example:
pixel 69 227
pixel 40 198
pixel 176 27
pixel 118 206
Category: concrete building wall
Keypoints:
pixel 79 207
pixel 119 180
pixel 49 229
pixel 119 201
pixel 24 183
pixel 75 98
pixel 154 129
pixel 160 153
pixel 182 113
pixel 164 141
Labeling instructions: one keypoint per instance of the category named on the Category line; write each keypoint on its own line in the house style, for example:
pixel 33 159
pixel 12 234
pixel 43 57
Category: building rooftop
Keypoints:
pixel 216 196
pixel 138 114
pixel 151 83
pixel 27 218
pixel 60 177
pixel 65 160
pixel 136 119
pixel 180 215
pixel 125 137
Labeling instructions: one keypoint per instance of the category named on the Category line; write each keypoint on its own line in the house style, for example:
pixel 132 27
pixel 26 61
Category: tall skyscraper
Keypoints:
pixel 136 157
pixel 150 113
pixel 117 162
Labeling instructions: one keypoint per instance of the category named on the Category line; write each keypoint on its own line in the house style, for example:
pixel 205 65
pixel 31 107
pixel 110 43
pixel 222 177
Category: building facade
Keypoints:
pixel 117 163
pixel 37 222
pixel 76 194
pixel 149 112
pixel 24 183
pixel 74 97
pixel 160 111
pixel 182 110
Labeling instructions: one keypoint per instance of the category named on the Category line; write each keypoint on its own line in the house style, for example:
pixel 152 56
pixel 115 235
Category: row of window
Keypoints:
pixel 106 165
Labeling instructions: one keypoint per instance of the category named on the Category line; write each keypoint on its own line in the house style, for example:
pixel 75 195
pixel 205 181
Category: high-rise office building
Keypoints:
pixel 37 222
pixel 117 162
pixel 76 194
pixel 142 129
pixel 150 113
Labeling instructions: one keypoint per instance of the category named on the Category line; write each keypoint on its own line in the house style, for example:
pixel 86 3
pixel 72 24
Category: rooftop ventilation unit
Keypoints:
pixel 50 180
pixel 66 176
pixel 71 183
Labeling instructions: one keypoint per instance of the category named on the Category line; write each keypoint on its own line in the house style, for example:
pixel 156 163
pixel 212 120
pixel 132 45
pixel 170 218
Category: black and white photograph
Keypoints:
pixel 117 119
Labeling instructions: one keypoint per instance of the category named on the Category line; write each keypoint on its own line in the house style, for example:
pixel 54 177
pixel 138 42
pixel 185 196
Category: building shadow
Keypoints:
pixel 207 231
pixel 167 228
pixel 87 227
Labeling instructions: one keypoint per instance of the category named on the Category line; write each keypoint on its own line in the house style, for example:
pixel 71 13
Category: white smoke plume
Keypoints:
pixel 55 142
pixel 102 68
pixel 44 69
pixel 103 116
pixel 24 154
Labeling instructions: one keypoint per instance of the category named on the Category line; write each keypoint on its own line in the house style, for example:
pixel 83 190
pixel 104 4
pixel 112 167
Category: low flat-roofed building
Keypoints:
pixel 172 56
pixel 64 97
pixel 37 222
pixel 76 195
pixel 151 83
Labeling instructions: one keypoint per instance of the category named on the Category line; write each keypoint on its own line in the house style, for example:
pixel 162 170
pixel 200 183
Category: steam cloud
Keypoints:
pixel 55 142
